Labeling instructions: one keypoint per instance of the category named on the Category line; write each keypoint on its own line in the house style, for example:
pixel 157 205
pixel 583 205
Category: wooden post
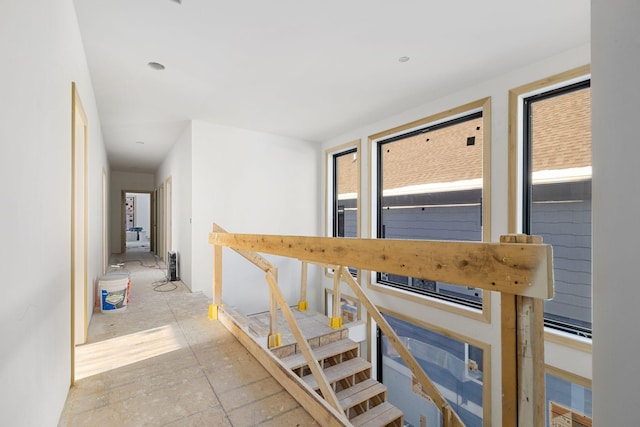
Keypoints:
pixel 523 354
pixel 275 339
pixel 217 282
pixel 336 317
pixel 303 305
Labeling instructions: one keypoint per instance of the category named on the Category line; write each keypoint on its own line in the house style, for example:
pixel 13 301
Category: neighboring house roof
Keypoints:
pixel 441 159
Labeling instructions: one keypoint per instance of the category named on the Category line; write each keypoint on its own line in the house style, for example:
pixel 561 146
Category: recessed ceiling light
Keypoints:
pixel 156 65
pixel 403 59
pixel 140 142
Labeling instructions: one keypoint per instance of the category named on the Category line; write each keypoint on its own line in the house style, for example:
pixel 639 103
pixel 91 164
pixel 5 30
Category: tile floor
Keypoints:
pixel 162 362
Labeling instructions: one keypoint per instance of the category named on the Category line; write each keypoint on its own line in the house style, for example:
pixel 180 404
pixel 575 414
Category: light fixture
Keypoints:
pixel 140 142
pixel 403 59
pixel 156 66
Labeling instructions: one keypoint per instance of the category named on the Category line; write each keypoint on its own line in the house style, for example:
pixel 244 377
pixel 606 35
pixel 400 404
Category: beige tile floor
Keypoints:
pixel 162 362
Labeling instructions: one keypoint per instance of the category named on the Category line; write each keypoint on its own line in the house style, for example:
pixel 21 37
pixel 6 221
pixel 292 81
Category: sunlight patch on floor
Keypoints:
pixel 103 356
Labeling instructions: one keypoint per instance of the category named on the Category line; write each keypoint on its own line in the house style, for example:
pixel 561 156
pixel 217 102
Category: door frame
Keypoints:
pixel 78 281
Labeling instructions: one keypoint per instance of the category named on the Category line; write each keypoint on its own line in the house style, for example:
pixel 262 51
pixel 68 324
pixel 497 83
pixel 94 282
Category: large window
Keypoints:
pixel 456 367
pixel 557 197
pixel 430 186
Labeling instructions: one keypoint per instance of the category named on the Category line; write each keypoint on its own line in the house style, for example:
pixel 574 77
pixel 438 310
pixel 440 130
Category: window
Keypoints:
pixel 567 402
pixel 345 193
pixel 456 367
pixel 557 197
pixel 430 184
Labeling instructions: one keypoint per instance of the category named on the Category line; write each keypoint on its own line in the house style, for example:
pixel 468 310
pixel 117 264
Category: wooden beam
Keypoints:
pixel 303 345
pixel 531 381
pixel 514 268
pixel 317 407
pixel 509 350
pixel 217 275
pixel 450 418
pixel 303 305
pixel 522 333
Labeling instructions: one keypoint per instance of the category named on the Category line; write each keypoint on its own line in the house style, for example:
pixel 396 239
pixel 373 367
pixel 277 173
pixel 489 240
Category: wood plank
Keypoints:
pixel 217 275
pixel 335 348
pixel 360 393
pixel 514 268
pixel 531 381
pixel 339 372
pixel 509 360
pixel 317 407
pixel 380 415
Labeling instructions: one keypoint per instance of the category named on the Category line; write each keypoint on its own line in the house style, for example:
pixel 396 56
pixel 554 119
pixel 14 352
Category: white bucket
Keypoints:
pixel 113 290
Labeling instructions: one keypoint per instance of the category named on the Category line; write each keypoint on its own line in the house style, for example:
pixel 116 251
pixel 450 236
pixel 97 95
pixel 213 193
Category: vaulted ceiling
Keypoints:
pixel 309 70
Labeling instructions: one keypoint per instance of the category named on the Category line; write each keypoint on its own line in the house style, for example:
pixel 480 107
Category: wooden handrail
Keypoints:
pixel 512 268
pixel 518 267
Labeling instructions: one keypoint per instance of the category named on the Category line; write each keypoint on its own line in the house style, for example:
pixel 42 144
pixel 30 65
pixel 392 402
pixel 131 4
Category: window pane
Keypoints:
pixel 560 200
pixel 567 403
pixel 430 187
pixel 455 367
pixel 345 166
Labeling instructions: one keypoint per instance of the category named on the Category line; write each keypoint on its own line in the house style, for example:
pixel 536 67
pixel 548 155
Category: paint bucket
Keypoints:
pixel 113 289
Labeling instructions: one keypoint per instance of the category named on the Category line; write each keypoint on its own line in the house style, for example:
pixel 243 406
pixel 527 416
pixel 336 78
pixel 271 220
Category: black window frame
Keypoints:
pixel 380 229
pixel 527 185
pixel 335 203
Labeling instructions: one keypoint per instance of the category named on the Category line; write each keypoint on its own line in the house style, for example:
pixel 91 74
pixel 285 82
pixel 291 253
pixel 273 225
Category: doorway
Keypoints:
pixel 137 225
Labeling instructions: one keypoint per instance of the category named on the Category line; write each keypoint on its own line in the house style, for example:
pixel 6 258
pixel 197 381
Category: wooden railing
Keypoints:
pixel 519 267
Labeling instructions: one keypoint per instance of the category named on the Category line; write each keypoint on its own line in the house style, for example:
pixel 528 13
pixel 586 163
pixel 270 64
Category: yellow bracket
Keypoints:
pixel 213 312
pixel 275 340
pixel 335 322
pixel 303 306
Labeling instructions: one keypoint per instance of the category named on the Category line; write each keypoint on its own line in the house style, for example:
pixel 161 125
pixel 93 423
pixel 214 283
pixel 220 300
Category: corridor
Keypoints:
pixel 162 362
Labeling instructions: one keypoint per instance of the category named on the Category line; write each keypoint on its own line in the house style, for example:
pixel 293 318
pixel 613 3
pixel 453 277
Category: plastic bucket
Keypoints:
pixel 113 290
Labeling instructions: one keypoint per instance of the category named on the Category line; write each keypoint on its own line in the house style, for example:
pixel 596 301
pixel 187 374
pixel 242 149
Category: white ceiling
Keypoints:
pixel 309 70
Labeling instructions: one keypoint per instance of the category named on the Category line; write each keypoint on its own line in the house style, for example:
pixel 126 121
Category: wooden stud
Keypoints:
pixel 522 353
pixel 514 268
pixel 302 304
pixel 303 345
pixel 217 281
pixel 336 317
pixel 273 314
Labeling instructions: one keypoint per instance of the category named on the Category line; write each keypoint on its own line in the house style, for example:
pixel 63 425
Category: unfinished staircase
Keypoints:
pixel 363 399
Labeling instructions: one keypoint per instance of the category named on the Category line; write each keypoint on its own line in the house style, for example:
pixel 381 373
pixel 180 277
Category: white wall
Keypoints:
pixel 177 165
pixel 497 89
pixel 251 182
pixel 616 91
pixel 128 181
pixel 41 54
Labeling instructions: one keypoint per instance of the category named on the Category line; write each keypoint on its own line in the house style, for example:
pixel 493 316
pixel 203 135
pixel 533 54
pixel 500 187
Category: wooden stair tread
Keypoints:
pixel 359 393
pixel 297 360
pixel 380 415
pixel 340 371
